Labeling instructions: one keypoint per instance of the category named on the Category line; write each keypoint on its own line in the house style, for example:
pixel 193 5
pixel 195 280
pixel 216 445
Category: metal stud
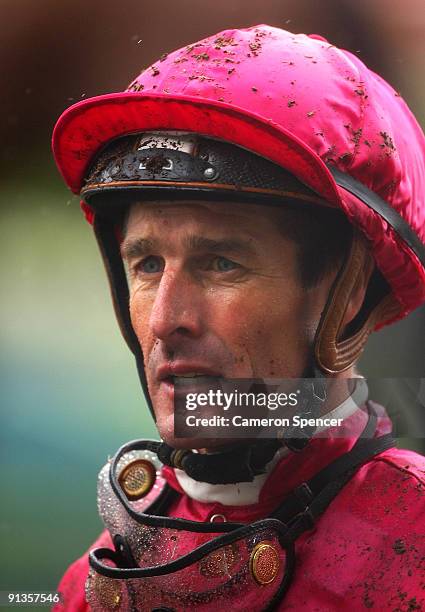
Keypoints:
pixel 137 478
pixel 264 563
pixel 210 174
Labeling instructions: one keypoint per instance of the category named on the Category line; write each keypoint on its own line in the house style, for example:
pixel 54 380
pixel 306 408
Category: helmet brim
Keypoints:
pixel 86 127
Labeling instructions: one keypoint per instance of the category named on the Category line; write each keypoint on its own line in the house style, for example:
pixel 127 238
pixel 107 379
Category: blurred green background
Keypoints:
pixel 70 392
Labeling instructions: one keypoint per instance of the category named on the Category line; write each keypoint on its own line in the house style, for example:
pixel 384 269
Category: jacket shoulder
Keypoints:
pixel 407 462
pixel 368 547
pixel 389 492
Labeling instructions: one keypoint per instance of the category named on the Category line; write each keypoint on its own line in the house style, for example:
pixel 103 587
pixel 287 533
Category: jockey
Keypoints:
pixel 257 198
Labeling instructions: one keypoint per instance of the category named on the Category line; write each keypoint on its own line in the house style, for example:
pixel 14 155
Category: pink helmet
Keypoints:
pixel 313 109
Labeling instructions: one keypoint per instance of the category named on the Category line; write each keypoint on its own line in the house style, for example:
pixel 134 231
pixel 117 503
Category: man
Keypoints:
pixel 258 201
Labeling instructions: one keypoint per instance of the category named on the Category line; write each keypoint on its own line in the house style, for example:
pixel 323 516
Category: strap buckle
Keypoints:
pixel 305 517
pixel 308 518
pixel 303 521
pixel 304 494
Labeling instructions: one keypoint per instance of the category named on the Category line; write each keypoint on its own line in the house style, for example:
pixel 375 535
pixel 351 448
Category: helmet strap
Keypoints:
pixel 334 350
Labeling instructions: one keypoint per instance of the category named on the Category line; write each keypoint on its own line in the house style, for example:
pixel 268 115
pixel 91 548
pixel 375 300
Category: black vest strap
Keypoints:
pixel 339 471
pixel 311 498
pixel 307 518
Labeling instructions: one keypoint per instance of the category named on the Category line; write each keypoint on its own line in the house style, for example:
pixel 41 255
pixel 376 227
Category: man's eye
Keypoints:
pixel 222 264
pixel 151 265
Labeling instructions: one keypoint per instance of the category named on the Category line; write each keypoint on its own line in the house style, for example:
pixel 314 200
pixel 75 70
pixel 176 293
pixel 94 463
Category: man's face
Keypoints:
pixel 215 291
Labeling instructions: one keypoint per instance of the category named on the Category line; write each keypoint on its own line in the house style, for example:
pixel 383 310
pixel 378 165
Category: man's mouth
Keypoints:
pixel 182 371
pixel 185 376
pixel 195 376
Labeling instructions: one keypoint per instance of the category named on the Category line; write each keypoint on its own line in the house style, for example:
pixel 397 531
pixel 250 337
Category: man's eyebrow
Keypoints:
pixel 133 248
pixel 136 247
pixel 218 245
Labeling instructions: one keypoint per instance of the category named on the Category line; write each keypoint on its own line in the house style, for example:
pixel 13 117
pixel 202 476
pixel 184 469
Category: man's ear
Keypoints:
pixel 358 292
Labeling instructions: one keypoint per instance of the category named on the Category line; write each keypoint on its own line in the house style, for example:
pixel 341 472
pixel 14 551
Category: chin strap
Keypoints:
pixel 336 348
pixel 238 464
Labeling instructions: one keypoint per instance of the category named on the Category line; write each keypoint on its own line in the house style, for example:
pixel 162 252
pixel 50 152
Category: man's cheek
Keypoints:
pixel 140 315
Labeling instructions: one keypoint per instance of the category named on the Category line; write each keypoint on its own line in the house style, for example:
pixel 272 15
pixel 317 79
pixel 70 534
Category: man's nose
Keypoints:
pixel 176 311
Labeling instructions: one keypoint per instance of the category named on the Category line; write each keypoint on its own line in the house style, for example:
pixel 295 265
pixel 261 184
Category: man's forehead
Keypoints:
pixel 195 226
pixel 194 207
pixel 223 216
